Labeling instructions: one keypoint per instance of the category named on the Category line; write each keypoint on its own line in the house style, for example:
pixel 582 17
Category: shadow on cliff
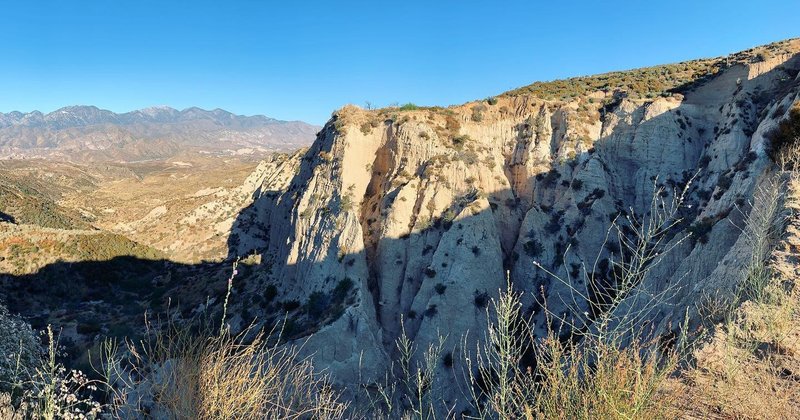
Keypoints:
pixel 110 297
pixel 693 130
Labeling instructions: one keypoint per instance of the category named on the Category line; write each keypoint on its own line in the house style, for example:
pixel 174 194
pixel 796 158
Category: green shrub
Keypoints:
pixel 533 248
pixel 550 178
pixel 318 303
pixel 290 305
pixel 88 328
pixel 346 203
pixel 699 230
pixel 554 225
pixel 342 289
pixel 270 293
pixel 460 141
pixel 440 288
pixel 431 311
pixel 470 158
pixel 786 136
pixel 447 359
pixel 477 114
pixel 723 183
pixel 596 194
pixel 481 299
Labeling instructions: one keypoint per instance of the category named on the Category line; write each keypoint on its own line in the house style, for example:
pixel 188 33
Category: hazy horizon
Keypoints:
pixel 181 109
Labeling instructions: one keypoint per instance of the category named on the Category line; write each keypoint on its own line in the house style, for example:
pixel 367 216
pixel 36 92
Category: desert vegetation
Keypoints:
pixel 785 140
pixel 28 204
pixel 27 249
pixel 174 372
pixel 649 82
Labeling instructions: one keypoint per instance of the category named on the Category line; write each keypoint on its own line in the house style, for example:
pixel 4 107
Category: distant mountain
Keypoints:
pixel 82 133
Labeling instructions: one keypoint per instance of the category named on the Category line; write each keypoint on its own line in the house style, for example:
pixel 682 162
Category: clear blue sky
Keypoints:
pixel 301 60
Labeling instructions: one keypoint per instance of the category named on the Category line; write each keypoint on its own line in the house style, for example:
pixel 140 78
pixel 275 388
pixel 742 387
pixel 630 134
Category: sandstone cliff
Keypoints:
pixel 408 219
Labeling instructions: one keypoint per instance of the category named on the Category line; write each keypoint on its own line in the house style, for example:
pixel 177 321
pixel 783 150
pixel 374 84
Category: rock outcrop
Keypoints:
pixel 410 220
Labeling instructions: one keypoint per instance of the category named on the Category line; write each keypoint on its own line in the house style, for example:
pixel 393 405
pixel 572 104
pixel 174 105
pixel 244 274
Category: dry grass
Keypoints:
pixel 220 376
pixel 650 82
pixel 592 367
pixel 785 139
pixel 177 373
pixel 607 382
pixel 407 390
pixel 750 369
pixel 591 379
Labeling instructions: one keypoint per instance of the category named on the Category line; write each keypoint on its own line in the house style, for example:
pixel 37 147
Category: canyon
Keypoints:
pixel 408 222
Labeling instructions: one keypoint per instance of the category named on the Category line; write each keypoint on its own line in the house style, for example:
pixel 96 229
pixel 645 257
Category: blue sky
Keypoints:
pixel 301 60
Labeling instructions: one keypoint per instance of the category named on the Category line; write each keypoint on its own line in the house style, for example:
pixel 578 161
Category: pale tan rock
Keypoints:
pixel 427 209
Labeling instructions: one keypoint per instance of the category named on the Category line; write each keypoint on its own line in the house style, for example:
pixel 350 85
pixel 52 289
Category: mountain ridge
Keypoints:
pixel 92 115
pixel 89 133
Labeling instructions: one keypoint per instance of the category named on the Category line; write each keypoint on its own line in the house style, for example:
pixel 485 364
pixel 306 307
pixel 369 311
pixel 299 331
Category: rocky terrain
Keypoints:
pixel 408 221
pixel 87 133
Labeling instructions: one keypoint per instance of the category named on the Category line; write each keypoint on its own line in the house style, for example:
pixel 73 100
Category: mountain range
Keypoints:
pixel 88 133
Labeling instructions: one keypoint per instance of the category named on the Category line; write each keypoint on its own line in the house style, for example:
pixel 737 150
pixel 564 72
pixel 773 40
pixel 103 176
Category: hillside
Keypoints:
pixel 184 207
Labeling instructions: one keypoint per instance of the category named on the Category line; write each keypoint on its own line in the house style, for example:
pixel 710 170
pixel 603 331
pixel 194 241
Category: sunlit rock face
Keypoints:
pixel 411 220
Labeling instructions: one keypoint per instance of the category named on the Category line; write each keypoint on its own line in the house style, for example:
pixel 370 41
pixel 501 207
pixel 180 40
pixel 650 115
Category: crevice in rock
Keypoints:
pixel 371 218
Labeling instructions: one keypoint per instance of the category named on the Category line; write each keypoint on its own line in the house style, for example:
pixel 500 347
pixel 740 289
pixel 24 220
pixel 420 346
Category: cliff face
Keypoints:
pixel 413 219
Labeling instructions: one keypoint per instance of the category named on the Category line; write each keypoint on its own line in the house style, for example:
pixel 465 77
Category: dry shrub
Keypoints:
pixel 591 379
pixel 607 382
pixel 222 376
pixel 599 367
pixel 785 139
pixel 407 391
pixel 46 390
pixel 750 369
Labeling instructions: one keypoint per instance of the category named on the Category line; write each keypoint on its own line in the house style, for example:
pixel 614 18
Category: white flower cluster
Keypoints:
pixel 42 387
pixel 64 395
